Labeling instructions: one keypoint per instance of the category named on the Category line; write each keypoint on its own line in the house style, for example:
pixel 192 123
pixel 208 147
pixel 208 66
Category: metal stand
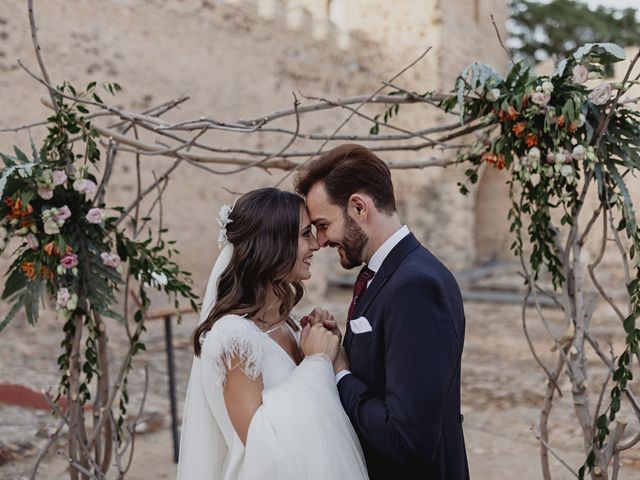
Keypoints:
pixel 172 386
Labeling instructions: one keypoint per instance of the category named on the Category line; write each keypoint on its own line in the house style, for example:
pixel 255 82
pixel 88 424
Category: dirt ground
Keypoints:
pixel 502 391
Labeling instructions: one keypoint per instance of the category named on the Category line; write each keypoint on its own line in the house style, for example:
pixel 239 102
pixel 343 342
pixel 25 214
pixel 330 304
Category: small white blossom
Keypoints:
pixel 158 279
pixel 578 153
pixel 547 88
pixel 62 298
pixel 223 221
pixel 534 155
pixel 493 94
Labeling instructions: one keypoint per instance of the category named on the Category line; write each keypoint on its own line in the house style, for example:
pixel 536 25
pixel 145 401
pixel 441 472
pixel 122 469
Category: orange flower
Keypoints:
pixel 17 209
pixel 489 157
pixel 46 273
pixel 52 249
pixel 496 160
pixel 29 269
pixel 68 250
pixel 518 128
pixel 572 128
pixel 502 116
pixel 531 140
pixel 560 121
pixel 512 113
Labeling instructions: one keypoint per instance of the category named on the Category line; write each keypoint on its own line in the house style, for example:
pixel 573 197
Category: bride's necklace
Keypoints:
pixel 265 326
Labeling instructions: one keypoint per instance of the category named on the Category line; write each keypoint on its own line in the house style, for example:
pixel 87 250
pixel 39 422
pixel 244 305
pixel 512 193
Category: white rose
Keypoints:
pixel 73 302
pixel 63 297
pixel 493 94
pixel 547 88
pixel 580 74
pixel 534 155
pixel 601 94
pixel 567 172
pixel 560 157
pixel 578 153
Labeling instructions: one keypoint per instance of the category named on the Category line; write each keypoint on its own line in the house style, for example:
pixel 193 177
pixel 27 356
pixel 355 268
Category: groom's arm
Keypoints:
pixel 421 356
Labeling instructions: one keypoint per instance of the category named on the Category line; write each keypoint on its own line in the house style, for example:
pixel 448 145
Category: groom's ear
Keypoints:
pixel 359 206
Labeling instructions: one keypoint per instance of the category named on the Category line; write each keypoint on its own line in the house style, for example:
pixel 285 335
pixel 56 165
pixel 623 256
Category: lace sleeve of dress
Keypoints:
pixel 233 336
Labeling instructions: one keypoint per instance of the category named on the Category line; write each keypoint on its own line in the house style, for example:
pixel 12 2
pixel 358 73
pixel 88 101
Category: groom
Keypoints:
pixel 399 372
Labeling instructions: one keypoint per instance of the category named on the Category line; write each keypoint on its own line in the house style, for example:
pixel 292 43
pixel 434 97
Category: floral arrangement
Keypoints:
pixel 68 246
pixel 557 135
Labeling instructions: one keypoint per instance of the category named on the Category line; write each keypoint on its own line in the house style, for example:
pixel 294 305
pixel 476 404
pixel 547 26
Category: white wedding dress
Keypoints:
pixel 299 432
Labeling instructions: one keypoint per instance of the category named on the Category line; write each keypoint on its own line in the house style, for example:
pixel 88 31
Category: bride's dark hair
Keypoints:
pixel 264 230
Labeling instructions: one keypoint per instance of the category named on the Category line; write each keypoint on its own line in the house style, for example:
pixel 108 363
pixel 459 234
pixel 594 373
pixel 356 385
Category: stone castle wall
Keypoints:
pixel 243 58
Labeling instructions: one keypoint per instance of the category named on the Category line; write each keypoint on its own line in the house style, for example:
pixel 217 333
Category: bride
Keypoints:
pixel 262 401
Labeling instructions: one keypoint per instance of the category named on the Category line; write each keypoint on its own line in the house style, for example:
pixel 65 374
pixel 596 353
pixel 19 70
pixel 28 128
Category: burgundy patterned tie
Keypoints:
pixel 359 287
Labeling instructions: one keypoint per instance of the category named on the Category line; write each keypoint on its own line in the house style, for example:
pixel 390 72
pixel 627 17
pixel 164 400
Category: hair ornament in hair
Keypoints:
pixel 223 221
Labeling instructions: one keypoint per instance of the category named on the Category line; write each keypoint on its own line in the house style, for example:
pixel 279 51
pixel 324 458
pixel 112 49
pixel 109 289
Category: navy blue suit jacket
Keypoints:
pixel 403 396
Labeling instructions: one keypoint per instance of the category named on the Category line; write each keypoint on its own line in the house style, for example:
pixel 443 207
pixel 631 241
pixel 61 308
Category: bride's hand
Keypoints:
pixel 317 339
pixel 319 315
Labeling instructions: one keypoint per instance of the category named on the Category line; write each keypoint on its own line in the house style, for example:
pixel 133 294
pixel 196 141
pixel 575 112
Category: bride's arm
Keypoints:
pixel 242 397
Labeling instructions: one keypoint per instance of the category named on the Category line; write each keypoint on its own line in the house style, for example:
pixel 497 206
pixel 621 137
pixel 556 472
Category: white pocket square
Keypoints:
pixel 360 325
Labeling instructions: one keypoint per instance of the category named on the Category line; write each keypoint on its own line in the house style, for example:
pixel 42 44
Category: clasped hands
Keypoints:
pixel 320 334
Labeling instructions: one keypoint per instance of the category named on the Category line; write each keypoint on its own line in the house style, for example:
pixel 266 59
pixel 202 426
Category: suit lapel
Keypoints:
pixel 389 265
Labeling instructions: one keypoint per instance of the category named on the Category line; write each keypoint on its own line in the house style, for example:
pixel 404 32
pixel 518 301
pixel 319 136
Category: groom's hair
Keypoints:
pixel 349 169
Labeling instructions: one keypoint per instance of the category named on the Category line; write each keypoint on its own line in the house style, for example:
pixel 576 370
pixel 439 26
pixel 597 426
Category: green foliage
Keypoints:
pixel 548 132
pixel 555 29
pixel 69 246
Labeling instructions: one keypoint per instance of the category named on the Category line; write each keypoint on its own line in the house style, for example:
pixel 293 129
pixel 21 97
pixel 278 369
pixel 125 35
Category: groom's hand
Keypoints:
pixel 341 362
pixel 319 315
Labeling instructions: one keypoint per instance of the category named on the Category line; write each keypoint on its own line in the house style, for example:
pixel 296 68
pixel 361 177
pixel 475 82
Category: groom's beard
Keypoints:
pixel 353 242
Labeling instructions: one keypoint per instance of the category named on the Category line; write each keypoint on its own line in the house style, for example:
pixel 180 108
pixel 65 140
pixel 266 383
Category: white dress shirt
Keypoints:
pixel 375 263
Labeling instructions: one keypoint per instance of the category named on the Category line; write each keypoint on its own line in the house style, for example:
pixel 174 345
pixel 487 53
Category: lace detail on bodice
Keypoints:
pixel 234 336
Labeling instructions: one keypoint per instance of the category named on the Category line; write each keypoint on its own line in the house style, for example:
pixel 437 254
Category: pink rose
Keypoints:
pixel 32 241
pixel 95 215
pixel 84 185
pixel 601 94
pixel 540 98
pixel 63 213
pixel 70 260
pixel 63 297
pixel 58 177
pixel 45 193
pixel 580 74
pixel 110 259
